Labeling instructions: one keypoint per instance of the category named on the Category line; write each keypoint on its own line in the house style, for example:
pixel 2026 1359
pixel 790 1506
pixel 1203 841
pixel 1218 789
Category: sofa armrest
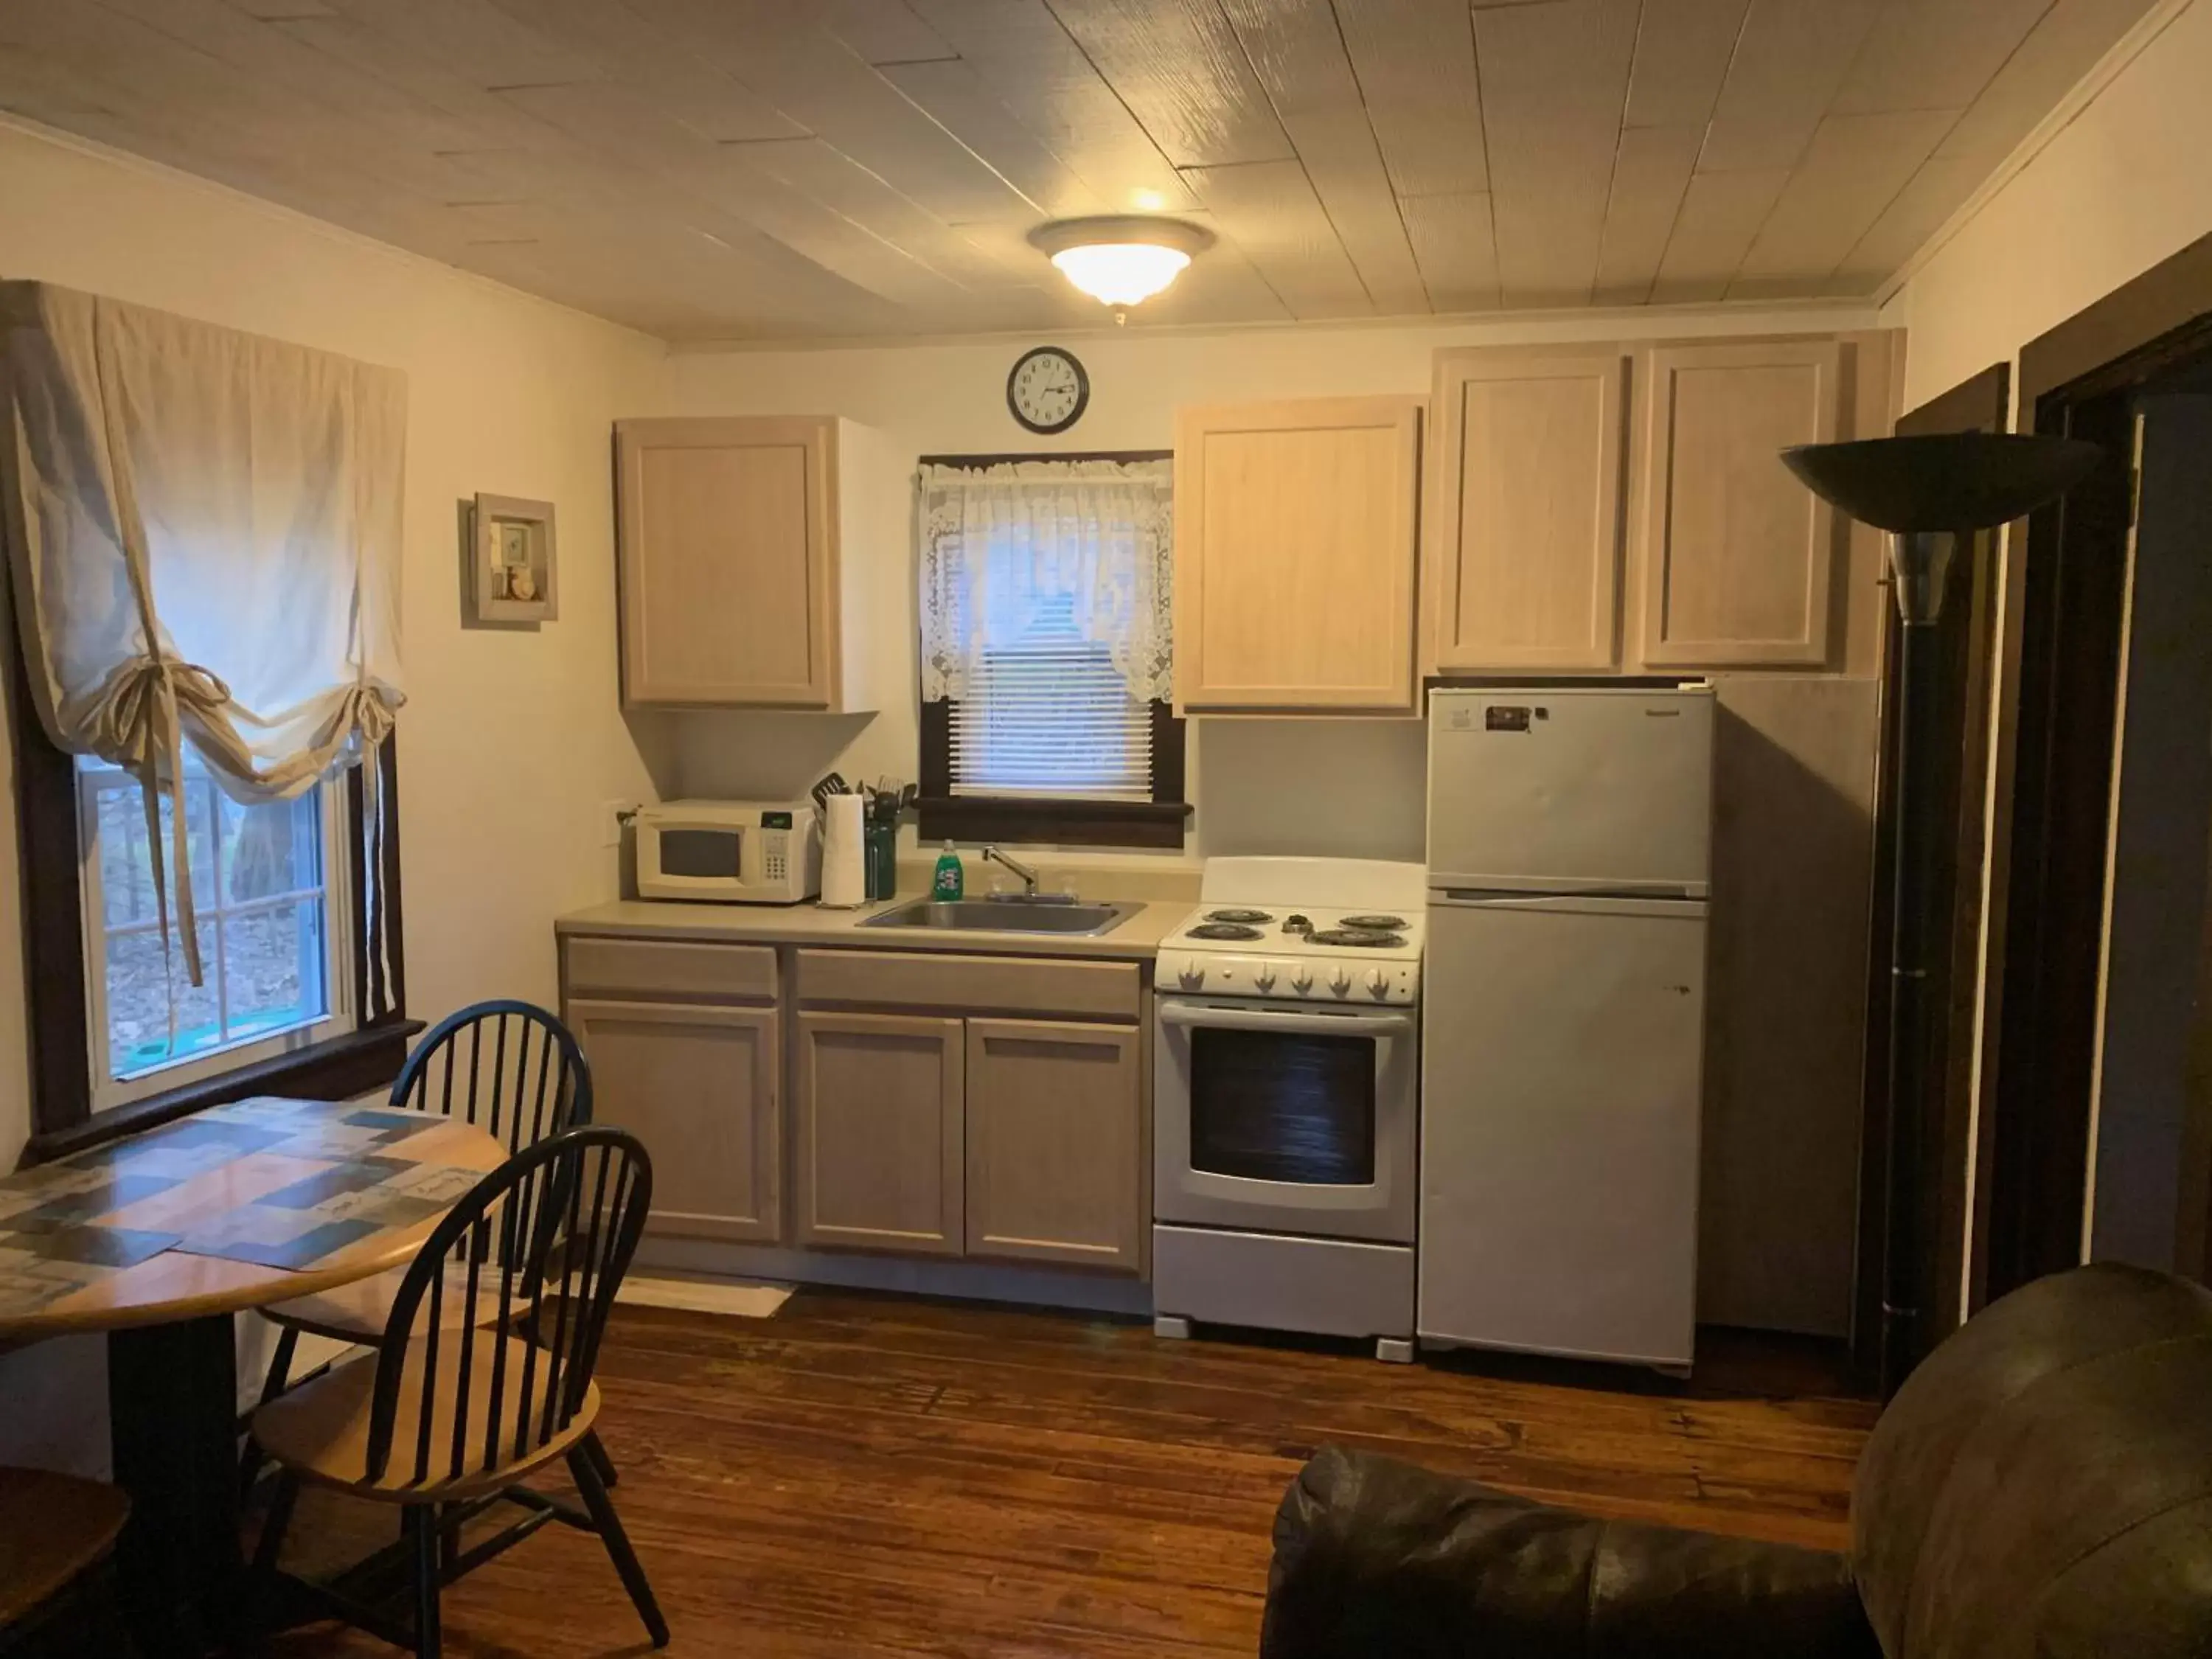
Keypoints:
pixel 1374 1557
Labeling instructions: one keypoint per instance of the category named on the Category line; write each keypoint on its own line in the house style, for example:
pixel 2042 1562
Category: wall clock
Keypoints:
pixel 1048 390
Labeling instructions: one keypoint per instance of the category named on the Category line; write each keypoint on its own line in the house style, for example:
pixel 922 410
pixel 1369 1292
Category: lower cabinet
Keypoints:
pixel 878 1122
pixel 698 1086
pixel 1055 1143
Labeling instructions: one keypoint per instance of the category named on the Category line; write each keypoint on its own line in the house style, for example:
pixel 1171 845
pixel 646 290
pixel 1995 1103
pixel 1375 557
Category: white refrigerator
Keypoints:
pixel 1562 1013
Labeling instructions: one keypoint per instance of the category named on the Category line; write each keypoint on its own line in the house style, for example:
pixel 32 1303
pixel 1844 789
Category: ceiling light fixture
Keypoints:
pixel 1121 259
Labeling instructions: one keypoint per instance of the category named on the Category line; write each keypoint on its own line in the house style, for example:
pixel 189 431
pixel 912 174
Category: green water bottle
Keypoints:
pixel 950 882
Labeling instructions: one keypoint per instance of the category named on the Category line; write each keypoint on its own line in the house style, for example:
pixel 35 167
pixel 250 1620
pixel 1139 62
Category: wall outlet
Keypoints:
pixel 611 814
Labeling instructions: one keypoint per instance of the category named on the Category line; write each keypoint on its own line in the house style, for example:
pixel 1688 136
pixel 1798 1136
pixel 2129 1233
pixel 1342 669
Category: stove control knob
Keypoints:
pixel 1302 979
pixel 1340 979
pixel 1192 974
pixel 1264 976
pixel 1378 982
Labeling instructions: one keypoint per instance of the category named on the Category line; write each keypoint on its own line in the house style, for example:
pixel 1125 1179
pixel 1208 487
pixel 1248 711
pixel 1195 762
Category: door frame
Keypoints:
pixel 2058 683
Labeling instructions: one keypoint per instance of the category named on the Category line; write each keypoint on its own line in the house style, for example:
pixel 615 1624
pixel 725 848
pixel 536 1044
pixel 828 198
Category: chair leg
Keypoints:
pixel 280 1375
pixel 581 1464
pixel 595 1448
pixel 422 1531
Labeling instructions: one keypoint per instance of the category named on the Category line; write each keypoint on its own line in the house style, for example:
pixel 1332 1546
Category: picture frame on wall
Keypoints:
pixel 515 574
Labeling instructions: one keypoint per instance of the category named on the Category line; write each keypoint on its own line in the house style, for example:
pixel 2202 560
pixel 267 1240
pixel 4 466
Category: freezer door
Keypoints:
pixel 1568 790
pixel 1560 1126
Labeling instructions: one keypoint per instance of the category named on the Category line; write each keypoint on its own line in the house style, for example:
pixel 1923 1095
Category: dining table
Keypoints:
pixel 157 1240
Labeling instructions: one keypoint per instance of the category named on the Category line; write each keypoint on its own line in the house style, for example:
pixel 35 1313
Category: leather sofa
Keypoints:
pixel 2040 1488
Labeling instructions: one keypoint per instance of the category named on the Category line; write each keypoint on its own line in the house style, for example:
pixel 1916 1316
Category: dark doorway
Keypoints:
pixel 2061 676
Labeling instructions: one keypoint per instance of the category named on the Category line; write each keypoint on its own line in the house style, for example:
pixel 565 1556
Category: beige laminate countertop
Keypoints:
pixel 1137 938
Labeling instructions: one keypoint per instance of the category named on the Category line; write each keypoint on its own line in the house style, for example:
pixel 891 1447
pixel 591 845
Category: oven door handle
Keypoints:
pixel 1257 1019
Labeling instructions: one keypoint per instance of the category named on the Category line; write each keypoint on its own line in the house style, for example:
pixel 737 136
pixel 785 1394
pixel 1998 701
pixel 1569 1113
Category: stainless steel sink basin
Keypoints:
pixel 1007 916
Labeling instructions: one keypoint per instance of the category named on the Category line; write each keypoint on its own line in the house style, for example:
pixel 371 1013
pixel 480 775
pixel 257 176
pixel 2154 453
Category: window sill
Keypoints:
pixel 1147 824
pixel 337 1069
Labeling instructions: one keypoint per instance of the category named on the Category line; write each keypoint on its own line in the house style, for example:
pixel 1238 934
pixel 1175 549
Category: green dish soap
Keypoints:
pixel 949 883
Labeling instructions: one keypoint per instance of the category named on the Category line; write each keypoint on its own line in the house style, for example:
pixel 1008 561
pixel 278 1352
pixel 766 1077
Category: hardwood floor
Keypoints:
pixel 875 1475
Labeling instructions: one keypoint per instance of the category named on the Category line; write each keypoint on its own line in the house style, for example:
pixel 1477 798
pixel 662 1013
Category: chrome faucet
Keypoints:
pixel 993 855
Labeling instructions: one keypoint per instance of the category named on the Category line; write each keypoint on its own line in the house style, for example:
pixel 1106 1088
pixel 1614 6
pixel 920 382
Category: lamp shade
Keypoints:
pixel 1960 480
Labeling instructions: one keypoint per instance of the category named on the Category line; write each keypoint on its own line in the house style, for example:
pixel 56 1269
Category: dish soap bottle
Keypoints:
pixel 950 882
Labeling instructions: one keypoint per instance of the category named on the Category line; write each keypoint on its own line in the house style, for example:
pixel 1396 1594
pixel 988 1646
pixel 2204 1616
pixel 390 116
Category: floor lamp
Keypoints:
pixel 1931 493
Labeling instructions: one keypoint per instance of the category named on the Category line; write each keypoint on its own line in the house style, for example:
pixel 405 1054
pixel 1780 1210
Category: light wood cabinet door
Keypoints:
pixel 1525 522
pixel 1296 529
pixel 1736 557
pixel 879 1127
pixel 728 542
pixel 698 1085
pixel 1055 1143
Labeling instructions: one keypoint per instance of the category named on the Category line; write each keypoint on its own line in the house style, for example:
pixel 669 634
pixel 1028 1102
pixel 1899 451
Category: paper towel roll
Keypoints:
pixel 844 853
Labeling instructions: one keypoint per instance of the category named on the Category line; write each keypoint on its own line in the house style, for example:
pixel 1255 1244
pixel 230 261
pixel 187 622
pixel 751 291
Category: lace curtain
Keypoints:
pixel 204 530
pixel 1000 543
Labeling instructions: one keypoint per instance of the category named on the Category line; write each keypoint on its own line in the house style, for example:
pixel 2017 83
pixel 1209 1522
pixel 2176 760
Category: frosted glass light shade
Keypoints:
pixel 1121 260
pixel 1121 273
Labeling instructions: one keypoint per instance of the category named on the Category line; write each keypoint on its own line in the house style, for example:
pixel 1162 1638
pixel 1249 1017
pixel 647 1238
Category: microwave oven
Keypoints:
pixel 729 852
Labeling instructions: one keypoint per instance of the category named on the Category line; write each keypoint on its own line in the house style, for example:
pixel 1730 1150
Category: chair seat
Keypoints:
pixel 52 1527
pixel 319 1430
pixel 359 1312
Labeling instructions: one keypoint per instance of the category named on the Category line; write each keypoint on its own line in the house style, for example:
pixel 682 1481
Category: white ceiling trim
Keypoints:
pixel 2083 92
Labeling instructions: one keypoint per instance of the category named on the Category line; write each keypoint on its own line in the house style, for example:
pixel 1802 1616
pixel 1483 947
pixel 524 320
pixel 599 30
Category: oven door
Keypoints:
pixel 1292 1120
pixel 689 859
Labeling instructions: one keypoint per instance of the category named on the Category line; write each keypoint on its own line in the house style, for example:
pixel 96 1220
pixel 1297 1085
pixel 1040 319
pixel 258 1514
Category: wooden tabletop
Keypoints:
pixel 236 1207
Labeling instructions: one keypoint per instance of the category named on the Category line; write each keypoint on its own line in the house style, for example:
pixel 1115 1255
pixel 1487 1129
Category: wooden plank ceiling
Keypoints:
pixel 822 168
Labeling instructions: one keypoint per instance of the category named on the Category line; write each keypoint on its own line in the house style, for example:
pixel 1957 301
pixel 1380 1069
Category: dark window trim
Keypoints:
pixel 1073 822
pixel 61 1118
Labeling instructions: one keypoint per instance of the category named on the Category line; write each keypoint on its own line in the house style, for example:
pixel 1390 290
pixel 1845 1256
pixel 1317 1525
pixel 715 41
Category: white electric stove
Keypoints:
pixel 1285 1101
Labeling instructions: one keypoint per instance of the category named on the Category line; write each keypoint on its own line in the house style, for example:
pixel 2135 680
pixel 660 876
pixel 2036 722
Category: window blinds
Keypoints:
pixel 1047 713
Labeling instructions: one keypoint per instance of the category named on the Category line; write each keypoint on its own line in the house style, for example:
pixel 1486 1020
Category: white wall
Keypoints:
pixel 1260 786
pixel 2122 187
pixel 509 738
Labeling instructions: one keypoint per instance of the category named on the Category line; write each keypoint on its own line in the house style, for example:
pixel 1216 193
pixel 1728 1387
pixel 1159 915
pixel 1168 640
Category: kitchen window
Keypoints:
pixel 273 924
pixel 1046 652
pixel 206 681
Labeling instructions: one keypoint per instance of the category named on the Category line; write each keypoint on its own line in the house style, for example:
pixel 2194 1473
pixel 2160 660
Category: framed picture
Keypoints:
pixel 515 576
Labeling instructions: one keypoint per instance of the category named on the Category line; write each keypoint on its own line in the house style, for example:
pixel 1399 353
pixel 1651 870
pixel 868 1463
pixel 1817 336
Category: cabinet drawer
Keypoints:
pixel 981 985
pixel 665 969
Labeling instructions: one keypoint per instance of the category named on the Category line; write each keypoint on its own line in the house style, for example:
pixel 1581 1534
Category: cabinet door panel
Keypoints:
pixel 1525 528
pixel 1055 1145
pixel 1738 557
pixel 1295 532
pixel 726 534
pixel 699 1087
pixel 879 1161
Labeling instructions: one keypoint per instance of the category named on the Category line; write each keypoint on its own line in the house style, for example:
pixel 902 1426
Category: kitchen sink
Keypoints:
pixel 1009 916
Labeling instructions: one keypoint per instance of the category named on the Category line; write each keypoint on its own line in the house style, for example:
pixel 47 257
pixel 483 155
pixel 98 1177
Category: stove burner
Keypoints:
pixel 1374 924
pixel 1238 915
pixel 1356 938
pixel 1225 930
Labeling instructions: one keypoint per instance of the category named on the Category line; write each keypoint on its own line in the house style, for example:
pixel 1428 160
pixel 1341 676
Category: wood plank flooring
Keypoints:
pixel 865 1475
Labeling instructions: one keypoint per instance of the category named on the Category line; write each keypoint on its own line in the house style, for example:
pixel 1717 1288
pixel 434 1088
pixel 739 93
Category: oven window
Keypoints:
pixel 704 852
pixel 1285 1107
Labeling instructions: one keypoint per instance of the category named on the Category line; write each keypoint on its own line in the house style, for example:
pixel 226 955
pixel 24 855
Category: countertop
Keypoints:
pixel 1136 938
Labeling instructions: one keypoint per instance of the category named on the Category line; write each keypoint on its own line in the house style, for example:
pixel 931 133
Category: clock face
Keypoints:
pixel 1048 390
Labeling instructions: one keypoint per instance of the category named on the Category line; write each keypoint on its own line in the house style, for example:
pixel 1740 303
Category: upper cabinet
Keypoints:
pixel 1623 507
pixel 1296 529
pixel 1524 523
pixel 1738 557
pixel 731 536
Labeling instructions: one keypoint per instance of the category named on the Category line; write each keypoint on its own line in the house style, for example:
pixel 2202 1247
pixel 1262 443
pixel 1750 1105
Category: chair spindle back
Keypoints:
pixel 510 1068
pixel 553 1230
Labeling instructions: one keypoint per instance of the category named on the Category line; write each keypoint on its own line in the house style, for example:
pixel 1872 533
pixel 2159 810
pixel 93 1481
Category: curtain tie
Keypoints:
pixel 139 725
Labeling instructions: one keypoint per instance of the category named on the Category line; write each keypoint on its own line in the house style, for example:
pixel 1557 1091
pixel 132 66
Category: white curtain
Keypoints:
pixel 999 543
pixel 204 530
